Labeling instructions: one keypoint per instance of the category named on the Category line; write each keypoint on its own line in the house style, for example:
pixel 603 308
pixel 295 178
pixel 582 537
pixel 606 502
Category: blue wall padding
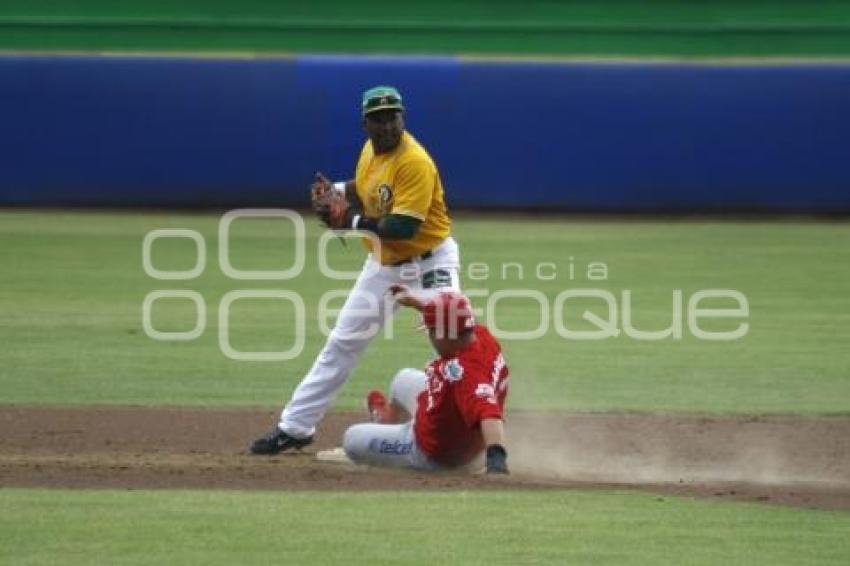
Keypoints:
pixel 160 131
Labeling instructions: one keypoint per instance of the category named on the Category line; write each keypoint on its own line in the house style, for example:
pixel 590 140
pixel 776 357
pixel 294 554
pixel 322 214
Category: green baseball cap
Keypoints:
pixel 381 98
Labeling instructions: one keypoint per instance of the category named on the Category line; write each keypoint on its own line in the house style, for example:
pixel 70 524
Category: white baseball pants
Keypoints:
pixel 362 316
pixel 392 445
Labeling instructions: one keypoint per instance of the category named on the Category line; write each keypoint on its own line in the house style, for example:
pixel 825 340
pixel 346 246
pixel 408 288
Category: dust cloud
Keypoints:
pixel 665 449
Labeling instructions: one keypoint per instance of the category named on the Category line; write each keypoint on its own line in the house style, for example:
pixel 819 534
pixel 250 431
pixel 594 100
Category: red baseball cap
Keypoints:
pixel 449 313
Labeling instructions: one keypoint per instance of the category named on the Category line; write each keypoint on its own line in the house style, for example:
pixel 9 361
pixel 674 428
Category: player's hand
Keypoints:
pixel 334 211
pixel 320 186
pixel 496 461
pixel 404 296
pixel 330 206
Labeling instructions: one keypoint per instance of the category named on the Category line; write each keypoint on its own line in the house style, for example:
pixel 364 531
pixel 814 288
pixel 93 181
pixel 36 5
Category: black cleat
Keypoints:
pixel 278 441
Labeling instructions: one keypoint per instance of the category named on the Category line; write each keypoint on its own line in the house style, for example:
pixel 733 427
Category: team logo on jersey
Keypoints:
pixel 385 196
pixel 453 371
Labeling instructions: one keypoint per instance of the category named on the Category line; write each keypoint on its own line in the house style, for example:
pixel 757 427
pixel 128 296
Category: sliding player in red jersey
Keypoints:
pixel 444 417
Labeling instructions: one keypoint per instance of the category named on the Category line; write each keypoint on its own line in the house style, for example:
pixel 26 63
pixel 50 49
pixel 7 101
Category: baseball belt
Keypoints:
pixel 426 255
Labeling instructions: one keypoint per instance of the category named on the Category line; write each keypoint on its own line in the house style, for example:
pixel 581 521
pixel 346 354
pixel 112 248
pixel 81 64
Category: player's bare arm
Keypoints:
pixel 493 431
pixel 404 297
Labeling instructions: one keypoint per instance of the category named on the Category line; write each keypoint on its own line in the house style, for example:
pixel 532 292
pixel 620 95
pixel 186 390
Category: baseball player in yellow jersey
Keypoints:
pixel 397 196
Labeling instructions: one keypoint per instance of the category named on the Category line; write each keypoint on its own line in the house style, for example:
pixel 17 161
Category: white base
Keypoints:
pixel 335 455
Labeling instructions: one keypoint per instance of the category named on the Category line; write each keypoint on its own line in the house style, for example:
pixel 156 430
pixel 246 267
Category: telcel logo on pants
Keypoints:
pixel 386 447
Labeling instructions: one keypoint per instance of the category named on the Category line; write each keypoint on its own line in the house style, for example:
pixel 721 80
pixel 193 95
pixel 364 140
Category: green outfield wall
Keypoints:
pixel 663 28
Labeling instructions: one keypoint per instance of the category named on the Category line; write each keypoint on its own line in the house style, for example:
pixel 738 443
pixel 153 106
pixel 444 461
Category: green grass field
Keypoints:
pixel 73 286
pixel 71 290
pixel 616 528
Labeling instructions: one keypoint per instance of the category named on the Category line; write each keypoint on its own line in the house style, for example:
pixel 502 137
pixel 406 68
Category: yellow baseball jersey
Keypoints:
pixel 403 181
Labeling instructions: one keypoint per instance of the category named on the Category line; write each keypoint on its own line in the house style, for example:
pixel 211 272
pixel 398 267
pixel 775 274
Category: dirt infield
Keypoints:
pixel 786 460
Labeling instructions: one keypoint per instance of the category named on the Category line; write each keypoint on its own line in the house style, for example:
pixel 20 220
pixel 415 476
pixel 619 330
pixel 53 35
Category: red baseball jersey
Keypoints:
pixel 462 391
